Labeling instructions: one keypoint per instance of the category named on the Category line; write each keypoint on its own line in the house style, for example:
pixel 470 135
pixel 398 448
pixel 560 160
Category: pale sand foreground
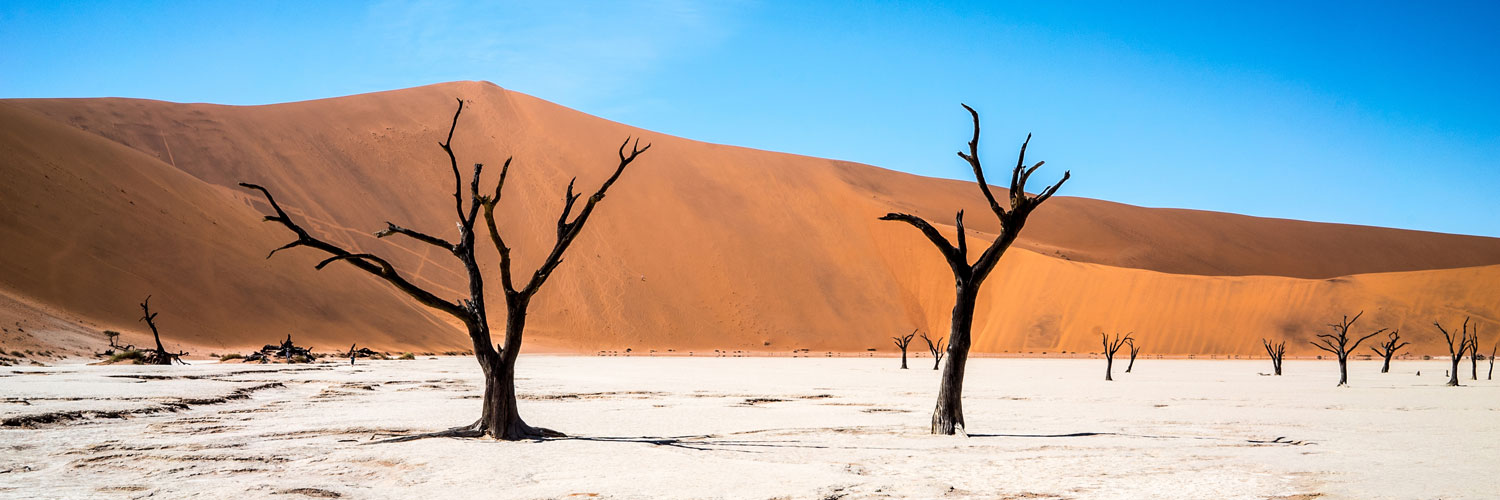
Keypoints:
pixel 760 428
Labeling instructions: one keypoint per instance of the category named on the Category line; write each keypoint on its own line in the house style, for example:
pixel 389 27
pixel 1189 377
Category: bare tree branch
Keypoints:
pixel 391 229
pixel 973 158
pixel 364 262
pixel 567 231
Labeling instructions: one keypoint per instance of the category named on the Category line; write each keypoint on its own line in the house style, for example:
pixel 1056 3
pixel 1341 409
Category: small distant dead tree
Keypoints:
pixel 1134 350
pixel 1474 353
pixel 1388 349
pixel 1491 375
pixel 499 418
pixel 158 356
pixel 1338 344
pixel 948 416
pixel 1455 355
pixel 937 350
pixel 1110 348
pixel 1276 351
pixel 902 342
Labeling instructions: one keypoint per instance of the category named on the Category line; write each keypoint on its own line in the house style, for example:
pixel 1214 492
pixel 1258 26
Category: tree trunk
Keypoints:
pixel 1474 364
pixel 1386 368
pixel 1343 372
pixel 1132 362
pixel 1109 366
pixel 948 417
pixel 499 417
pixel 1453 374
pixel 903 358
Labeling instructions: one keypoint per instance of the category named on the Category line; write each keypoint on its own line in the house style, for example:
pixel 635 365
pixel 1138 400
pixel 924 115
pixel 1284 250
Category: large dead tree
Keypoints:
pixel 1134 350
pixel 159 355
pixel 902 342
pixel 936 348
pixel 1388 349
pixel 1276 351
pixel 1110 348
pixel 948 416
pixel 499 417
pixel 1455 355
pixel 1338 344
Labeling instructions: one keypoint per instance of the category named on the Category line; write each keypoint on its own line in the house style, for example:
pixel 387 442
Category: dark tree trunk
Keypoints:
pixel 1453 374
pixel 1474 361
pixel 1109 366
pixel 1133 352
pixel 501 417
pixel 903 358
pixel 1386 366
pixel 1491 375
pixel 948 416
pixel 1343 372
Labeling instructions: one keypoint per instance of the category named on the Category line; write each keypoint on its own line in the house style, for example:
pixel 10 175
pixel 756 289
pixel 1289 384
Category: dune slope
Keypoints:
pixel 700 246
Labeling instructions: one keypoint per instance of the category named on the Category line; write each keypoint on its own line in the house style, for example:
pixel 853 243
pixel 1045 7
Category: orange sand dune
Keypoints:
pixel 700 246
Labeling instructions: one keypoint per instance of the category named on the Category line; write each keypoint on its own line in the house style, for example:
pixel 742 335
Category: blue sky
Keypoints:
pixel 1374 113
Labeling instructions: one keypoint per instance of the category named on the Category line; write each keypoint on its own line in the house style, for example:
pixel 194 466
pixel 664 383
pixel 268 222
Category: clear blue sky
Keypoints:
pixel 1373 113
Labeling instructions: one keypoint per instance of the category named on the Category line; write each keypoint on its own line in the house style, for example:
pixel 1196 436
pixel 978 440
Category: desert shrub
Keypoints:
pixel 134 356
pixel 230 356
pixel 301 359
pixel 407 355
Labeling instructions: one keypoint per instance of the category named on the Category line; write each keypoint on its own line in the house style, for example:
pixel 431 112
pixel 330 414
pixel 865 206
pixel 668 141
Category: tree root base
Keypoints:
pixel 477 430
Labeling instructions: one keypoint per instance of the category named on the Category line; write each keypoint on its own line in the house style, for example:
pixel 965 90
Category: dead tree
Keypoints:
pixel 902 342
pixel 1491 358
pixel 1474 353
pixel 1338 344
pixel 1276 352
pixel 948 416
pixel 1388 349
pixel 936 348
pixel 1458 355
pixel 1134 350
pixel 287 351
pixel 158 356
pixel 499 418
pixel 1110 348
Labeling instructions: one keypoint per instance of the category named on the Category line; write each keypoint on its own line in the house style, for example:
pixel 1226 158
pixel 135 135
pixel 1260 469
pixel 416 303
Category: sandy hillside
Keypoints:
pixel 787 428
pixel 700 246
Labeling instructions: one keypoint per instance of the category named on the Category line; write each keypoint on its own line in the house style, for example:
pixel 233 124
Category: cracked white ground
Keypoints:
pixel 646 427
